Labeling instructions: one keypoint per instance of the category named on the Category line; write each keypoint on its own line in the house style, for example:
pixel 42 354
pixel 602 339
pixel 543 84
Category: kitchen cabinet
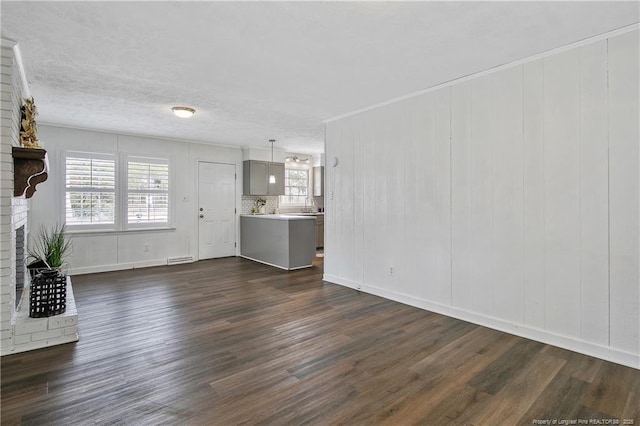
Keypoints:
pixel 319 227
pixel 256 178
pixel 320 231
pixel 318 181
pixel 283 241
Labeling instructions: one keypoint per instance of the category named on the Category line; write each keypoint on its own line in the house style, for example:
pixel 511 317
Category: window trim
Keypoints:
pixel 63 208
pixel 121 191
pixel 124 196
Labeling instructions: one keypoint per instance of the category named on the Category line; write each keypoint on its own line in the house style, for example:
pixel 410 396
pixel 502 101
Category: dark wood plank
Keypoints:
pixel 492 379
pixel 610 389
pixel 562 399
pixel 230 341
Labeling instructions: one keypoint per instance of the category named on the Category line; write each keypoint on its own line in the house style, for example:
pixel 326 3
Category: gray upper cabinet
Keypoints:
pixel 276 169
pixel 318 181
pixel 256 178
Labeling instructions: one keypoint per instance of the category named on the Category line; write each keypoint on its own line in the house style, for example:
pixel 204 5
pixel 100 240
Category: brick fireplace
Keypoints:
pixel 18 332
pixel 21 270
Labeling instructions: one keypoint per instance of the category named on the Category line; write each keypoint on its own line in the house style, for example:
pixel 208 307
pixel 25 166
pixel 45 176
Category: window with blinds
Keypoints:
pixel 296 187
pixel 115 192
pixel 147 191
pixel 90 197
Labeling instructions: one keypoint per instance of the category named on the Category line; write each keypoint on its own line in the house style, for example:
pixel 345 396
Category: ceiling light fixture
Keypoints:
pixel 183 111
pixel 272 177
pixel 296 159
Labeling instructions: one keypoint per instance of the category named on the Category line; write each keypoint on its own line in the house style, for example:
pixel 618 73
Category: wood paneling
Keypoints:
pixel 562 192
pixel 482 182
pixel 443 194
pixel 461 208
pixel 508 301
pixel 510 198
pixel 594 194
pixel 419 177
pixel 533 197
pixel 373 198
pixel 359 147
pixel 624 190
pixel 230 341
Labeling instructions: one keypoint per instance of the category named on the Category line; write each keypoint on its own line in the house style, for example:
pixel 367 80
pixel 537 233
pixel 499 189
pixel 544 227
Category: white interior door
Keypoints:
pixel 216 210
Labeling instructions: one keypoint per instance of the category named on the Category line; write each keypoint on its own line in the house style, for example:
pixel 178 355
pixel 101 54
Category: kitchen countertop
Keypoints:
pixel 279 216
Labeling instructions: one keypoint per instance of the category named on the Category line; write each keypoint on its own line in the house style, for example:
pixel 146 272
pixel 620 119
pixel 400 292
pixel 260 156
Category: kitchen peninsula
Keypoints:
pixel 280 240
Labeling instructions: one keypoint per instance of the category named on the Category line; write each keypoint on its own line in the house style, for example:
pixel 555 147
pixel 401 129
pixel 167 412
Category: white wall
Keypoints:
pixel 510 199
pixel 103 251
pixel 263 153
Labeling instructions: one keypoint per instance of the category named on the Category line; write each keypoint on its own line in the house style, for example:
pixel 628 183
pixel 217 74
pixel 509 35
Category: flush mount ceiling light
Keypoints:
pixel 272 177
pixel 183 111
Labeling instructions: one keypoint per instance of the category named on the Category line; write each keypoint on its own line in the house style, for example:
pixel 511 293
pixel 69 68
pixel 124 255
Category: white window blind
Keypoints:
pixel 296 187
pixel 147 191
pixel 90 197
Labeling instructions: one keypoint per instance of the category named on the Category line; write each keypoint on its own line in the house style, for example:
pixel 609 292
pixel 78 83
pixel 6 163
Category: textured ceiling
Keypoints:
pixel 260 70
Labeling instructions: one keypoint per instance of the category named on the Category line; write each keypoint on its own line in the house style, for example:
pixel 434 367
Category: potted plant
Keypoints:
pixel 49 250
pixel 47 292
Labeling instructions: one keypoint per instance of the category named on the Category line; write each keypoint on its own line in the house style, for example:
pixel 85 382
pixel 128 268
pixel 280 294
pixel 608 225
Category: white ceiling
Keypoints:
pixel 261 70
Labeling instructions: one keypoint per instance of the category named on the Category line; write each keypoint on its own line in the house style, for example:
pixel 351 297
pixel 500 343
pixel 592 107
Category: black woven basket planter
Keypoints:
pixel 36 267
pixel 48 294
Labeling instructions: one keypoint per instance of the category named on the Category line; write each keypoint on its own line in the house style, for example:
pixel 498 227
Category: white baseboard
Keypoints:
pixel 342 281
pixel 117 267
pixel 571 343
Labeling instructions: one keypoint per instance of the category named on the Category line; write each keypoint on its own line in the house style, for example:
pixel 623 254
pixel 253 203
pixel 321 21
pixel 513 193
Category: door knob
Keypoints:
pixel 201 216
pixel 201 209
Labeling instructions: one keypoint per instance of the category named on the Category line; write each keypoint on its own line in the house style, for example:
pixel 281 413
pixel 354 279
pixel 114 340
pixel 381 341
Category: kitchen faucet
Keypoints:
pixel 308 209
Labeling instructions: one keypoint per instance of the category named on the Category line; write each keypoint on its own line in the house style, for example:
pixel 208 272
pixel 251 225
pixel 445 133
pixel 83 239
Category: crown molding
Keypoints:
pixel 492 70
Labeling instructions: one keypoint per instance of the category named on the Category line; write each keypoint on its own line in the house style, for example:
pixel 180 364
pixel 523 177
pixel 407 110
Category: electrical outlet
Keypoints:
pixel 331 195
pixel 146 247
pixel 392 271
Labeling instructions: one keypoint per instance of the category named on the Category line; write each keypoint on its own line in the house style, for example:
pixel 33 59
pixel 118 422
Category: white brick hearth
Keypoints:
pixel 36 333
pixel 18 332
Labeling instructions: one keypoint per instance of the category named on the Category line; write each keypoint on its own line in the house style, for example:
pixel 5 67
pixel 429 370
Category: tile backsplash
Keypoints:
pixel 248 202
pixel 273 205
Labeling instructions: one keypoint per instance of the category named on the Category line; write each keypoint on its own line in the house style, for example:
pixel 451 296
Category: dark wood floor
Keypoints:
pixel 230 342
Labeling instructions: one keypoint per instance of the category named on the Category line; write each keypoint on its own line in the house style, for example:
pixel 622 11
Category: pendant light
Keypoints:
pixel 272 177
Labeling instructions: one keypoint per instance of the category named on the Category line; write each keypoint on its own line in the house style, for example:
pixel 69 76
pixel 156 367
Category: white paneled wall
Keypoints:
pixel 509 199
pixel 623 191
pixel 533 197
pixel 104 251
pixel 594 169
pixel 562 214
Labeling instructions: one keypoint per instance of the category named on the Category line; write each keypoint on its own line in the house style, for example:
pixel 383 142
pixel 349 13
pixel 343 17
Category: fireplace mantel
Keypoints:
pixel 30 167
